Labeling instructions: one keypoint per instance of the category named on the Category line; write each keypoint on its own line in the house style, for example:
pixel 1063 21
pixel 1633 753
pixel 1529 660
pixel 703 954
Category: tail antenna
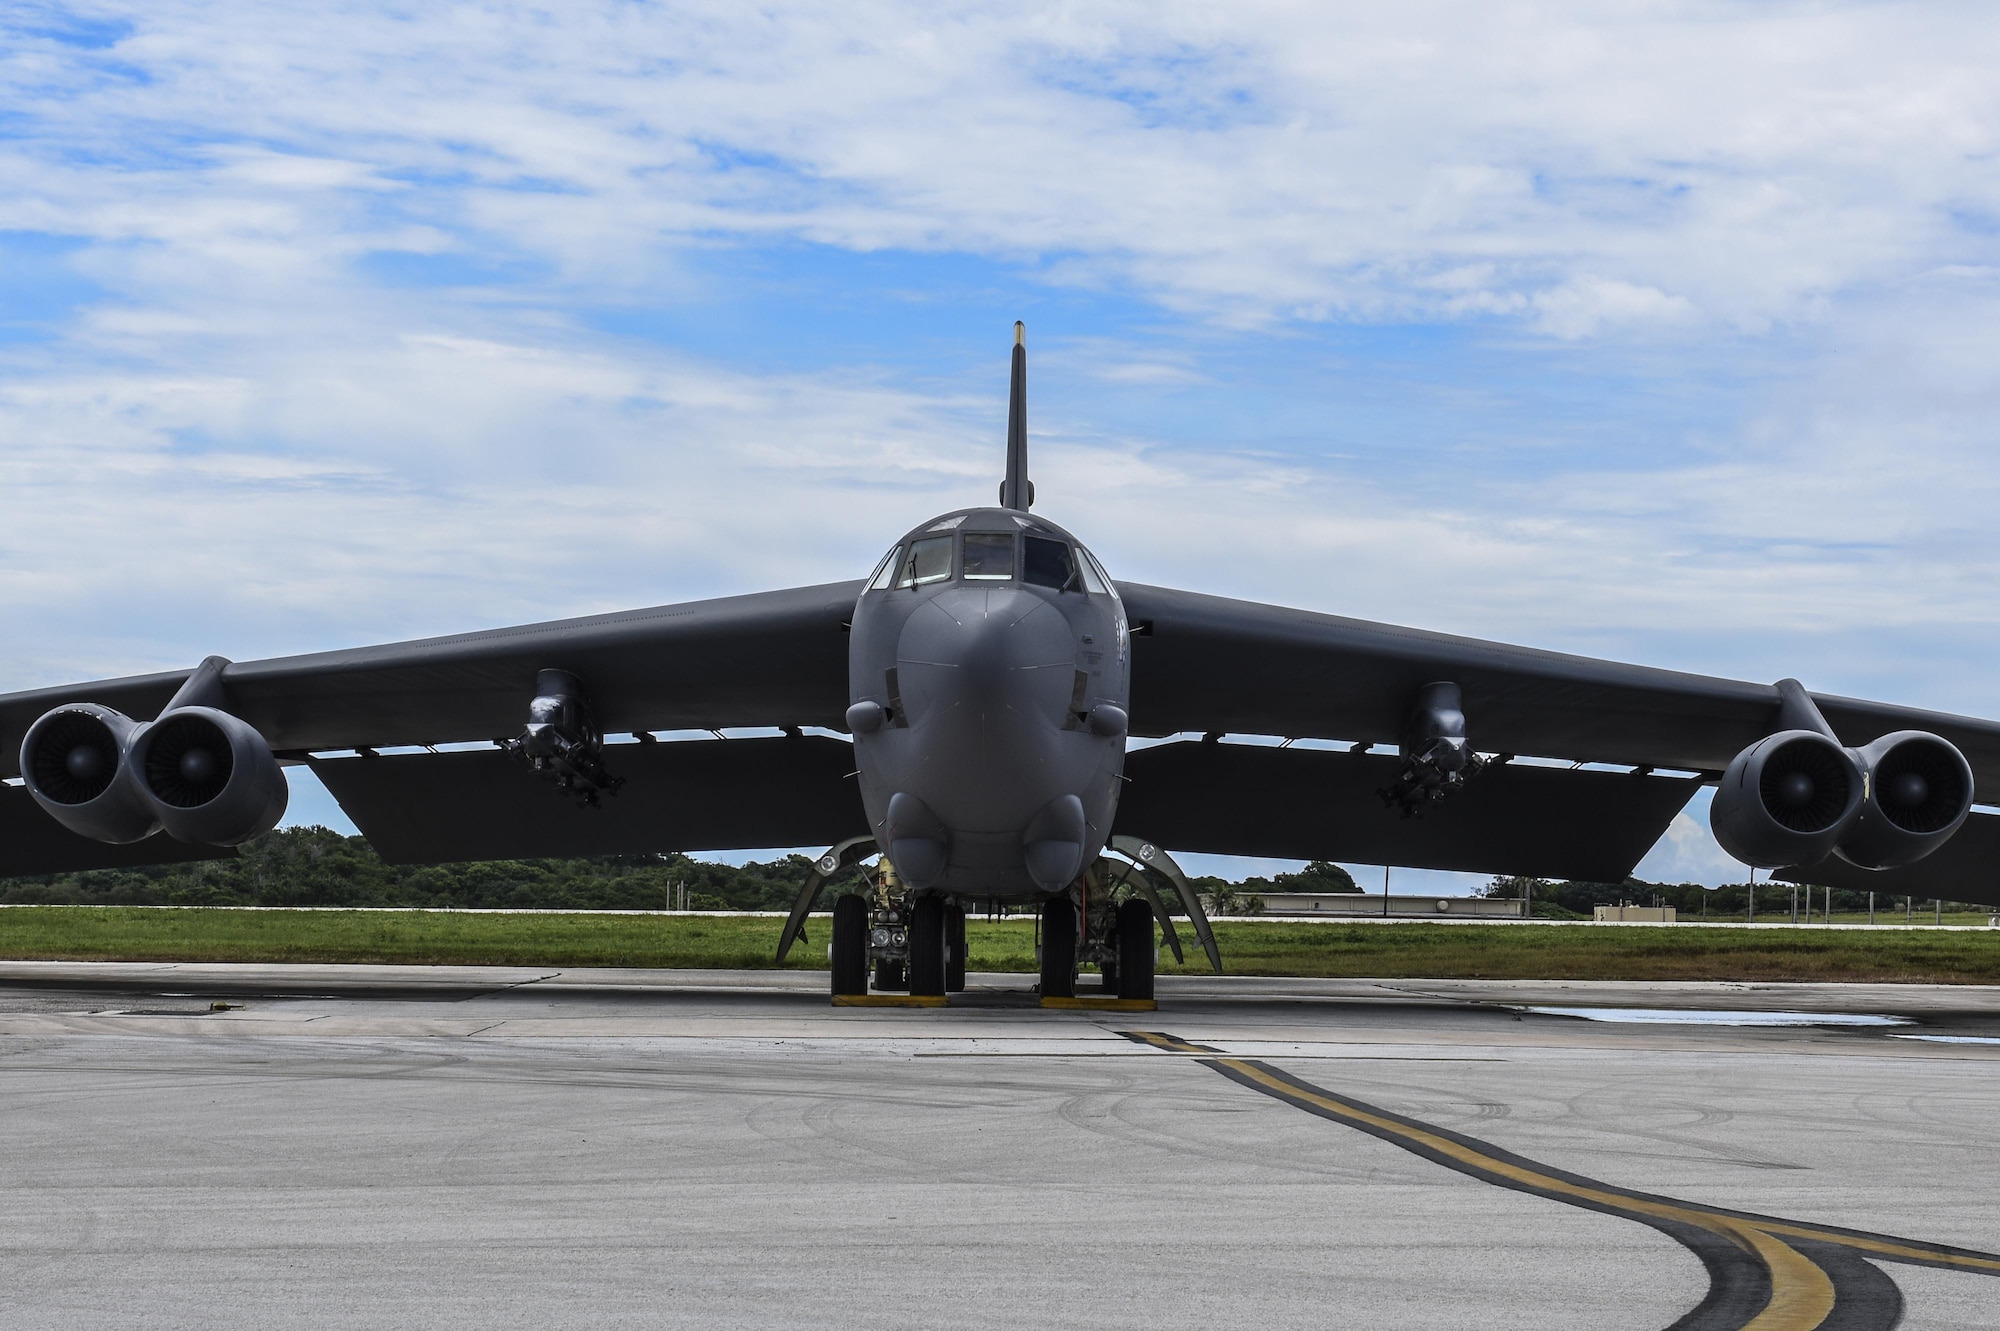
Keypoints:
pixel 1017 491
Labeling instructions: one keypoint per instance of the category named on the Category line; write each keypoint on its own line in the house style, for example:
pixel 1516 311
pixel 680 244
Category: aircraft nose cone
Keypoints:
pixel 986 678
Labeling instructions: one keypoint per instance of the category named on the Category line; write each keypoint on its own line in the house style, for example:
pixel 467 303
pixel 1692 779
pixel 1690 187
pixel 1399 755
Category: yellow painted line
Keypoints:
pixel 1803 1294
pixel 1713 1221
pixel 1801 1290
pixel 1884 1247
pixel 1104 1004
pixel 890 1000
pixel 1161 1040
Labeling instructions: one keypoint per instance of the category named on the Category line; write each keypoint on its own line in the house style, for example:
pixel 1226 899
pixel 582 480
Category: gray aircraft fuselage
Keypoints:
pixel 989 673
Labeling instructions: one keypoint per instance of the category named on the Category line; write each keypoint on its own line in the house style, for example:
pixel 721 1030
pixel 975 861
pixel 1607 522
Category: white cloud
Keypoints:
pixel 1732 163
pixel 1584 306
pixel 1688 853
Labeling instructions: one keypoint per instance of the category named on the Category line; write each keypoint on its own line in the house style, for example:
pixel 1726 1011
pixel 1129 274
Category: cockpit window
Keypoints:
pixel 989 556
pixel 1093 576
pixel 1049 564
pixel 929 560
pixel 884 571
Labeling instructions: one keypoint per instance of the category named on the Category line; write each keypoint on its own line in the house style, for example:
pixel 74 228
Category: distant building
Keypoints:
pixel 1633 915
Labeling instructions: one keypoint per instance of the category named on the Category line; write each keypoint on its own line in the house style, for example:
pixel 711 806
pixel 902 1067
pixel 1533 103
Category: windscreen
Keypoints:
pixel 929 561
pixel 885 571
pixel 1093 575
pixel 989 556
pixel 1048 563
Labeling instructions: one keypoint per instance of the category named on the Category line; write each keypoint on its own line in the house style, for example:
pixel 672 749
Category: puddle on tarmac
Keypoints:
pixel 1652 1016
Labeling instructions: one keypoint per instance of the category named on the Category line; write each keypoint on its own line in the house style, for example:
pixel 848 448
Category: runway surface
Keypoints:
pixel 419 1147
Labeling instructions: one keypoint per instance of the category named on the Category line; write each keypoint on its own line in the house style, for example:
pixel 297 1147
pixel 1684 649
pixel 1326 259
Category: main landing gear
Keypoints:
pixel 910 943
pixel 1116 935
pixel 916 944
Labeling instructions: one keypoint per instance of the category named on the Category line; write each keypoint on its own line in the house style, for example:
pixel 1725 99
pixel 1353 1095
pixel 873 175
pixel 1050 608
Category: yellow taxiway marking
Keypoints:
pixel 1802 1293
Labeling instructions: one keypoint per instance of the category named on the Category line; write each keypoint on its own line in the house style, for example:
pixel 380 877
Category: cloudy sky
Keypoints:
pixel 1661 331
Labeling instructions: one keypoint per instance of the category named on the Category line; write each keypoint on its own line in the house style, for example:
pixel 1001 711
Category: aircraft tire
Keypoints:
pixel 1059 948
pixel 927 970
pixel 954 948
pixel 850 945
pixel 889 975
pixel 1137 952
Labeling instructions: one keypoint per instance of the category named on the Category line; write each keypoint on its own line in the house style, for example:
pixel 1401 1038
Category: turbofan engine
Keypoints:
pixel 209 777
pixel 1794 797
pixel 73 763
pixel 202 774
pixel 1919 792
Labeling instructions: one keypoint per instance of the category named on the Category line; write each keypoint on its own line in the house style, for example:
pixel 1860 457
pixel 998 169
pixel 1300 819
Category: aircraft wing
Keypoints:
pixel 1312 804
pixel 1210 664
pixel 717 794
pixel 1965 868
pixel 769 659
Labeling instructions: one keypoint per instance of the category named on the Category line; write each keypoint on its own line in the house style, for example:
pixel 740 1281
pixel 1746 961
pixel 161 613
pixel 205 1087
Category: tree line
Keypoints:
pixel 314 866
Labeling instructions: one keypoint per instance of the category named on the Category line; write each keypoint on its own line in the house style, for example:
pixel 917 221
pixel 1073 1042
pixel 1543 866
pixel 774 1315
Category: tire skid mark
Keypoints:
pixel 1765 1273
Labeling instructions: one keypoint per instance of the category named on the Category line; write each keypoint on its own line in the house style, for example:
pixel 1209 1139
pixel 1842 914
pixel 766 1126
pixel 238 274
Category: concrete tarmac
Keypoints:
pixel 462 1147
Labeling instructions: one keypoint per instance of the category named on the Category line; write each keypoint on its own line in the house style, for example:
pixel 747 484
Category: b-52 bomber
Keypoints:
pixel 1000 720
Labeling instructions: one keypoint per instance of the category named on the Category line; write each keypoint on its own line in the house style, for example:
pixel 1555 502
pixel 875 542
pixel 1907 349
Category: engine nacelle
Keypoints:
pixel 74 761
pixel 1918 793
pixel 208 777
pixel 1788 799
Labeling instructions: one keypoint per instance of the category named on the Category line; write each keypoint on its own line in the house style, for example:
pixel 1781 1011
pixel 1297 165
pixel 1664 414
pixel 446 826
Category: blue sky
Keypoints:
pixel 1653 330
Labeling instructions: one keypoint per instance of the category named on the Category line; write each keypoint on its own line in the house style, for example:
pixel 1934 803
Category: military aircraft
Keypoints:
pixel 999 720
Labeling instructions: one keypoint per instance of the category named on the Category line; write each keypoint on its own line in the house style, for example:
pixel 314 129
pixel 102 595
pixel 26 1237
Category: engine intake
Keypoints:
pixel 73 761
pixel 209 777
pixel 1788 799
pixel 1919 792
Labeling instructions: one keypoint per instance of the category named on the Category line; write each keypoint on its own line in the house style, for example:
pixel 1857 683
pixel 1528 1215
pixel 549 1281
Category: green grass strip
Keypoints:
pixel 1322 949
